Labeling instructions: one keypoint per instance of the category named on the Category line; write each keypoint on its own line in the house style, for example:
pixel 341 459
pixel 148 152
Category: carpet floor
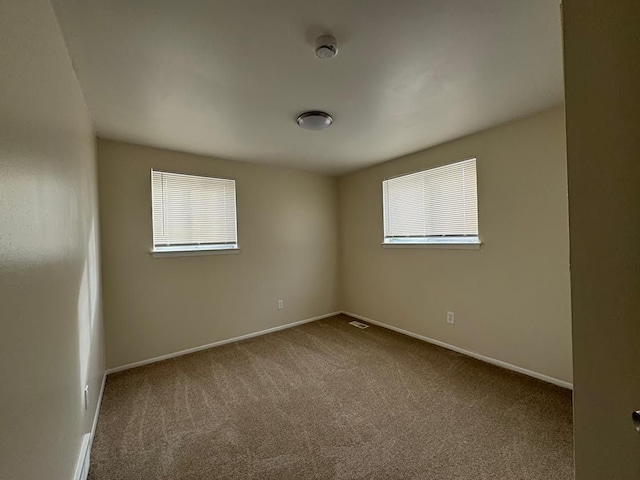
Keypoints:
pixel 326 400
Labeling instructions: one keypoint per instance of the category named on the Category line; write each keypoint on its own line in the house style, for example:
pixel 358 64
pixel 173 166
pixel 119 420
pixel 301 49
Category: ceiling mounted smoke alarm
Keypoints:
pixel 315 120
pixel 326 47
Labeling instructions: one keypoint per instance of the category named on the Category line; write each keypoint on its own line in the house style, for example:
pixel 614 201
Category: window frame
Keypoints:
pixel 187 250
pixel 465 242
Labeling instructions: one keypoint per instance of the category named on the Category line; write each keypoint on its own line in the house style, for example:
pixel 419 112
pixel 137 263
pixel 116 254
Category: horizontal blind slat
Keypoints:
pixel 193 210
pixel 441 201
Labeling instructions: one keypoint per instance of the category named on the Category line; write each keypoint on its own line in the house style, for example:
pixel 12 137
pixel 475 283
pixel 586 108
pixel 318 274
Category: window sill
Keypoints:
pixel 193 252
pixel 437 245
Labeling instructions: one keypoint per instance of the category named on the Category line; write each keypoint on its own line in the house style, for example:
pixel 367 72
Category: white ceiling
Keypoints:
pixel 228 78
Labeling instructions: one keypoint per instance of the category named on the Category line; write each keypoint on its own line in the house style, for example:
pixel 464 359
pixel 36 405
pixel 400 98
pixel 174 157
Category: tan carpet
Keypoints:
pixel 326 400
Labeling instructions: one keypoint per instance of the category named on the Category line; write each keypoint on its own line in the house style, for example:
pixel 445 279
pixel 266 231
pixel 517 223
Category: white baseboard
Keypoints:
pixel 218 343
pixel 84 457
pixel 493 361
pixel 82 464
pixel 98 405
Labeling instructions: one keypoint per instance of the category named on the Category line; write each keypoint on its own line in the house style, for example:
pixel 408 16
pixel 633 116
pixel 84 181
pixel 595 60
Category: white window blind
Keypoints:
pixel 438 205
pixel 192 212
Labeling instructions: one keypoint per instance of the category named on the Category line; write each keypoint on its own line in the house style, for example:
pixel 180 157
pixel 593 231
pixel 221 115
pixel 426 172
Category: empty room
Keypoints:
pixel 360 239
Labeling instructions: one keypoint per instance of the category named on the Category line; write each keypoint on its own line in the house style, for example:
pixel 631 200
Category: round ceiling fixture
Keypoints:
pixel 326 47
pixel 314 120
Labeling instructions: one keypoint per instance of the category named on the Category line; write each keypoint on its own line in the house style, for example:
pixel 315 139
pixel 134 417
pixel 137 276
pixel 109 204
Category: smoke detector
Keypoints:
pixel 326 47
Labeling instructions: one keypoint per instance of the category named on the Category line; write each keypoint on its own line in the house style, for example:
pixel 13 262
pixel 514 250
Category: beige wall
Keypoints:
pixel 511 297
pixel 602 76
pixel 50 308
pixel 287 231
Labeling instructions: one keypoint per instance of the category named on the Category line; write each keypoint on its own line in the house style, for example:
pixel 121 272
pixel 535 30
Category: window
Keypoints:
pixel 192 213
pixel 436 206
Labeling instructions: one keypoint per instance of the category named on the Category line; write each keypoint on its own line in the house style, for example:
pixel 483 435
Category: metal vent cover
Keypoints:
pixel 358 324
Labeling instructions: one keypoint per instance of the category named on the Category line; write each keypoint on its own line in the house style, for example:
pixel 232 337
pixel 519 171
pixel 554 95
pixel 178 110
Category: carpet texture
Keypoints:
pixel 326 400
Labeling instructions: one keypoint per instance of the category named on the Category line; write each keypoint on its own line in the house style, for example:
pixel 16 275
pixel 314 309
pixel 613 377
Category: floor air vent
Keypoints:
pixel 358 324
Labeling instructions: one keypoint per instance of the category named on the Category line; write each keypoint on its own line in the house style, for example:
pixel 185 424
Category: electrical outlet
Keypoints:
pixel 451 317
pixel 280 304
